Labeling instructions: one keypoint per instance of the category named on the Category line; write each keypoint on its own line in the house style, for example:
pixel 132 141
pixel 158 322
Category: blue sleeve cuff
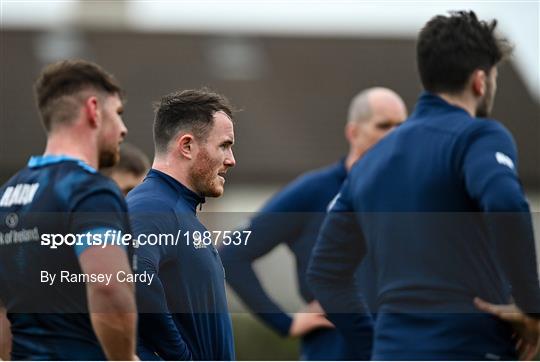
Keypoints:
pixel 280 322
pixel 100 237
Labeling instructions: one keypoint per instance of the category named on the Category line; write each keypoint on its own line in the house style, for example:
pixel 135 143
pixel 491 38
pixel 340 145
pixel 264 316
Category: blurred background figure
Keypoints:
pixel 130 170
pixel 293 217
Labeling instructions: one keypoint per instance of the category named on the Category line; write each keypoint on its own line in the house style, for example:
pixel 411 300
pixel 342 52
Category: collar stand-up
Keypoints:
pixel 191 197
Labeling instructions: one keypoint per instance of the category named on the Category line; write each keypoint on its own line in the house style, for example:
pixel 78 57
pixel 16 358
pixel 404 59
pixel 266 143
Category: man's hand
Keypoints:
pixel 527 329
pixel 5 335
pixel 310 318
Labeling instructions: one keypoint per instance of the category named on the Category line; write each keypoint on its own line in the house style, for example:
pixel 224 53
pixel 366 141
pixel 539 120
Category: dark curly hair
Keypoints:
pixel 451 48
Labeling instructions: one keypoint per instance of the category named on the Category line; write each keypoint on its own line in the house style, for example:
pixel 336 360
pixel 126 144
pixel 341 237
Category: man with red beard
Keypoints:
pixel 183 310
pixel 61 192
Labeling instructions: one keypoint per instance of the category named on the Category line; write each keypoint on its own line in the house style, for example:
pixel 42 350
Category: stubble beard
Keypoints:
pixel 203 177
pixel 484 107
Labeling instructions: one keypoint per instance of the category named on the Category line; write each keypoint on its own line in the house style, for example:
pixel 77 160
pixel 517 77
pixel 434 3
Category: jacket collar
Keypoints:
pixel 191 197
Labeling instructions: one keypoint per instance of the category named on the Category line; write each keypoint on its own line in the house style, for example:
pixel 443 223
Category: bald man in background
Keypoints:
pixel 293 216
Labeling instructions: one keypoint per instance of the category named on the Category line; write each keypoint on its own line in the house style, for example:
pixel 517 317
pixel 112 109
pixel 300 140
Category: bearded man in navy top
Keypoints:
pixel 293 217
pixel 438 206
pixel 62 193
pixel 184 313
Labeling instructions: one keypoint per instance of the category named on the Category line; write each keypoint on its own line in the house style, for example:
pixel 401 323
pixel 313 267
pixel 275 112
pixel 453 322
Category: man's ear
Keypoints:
pixel 92 111
pixel 185 145
pixel 351 129
pixel 479 79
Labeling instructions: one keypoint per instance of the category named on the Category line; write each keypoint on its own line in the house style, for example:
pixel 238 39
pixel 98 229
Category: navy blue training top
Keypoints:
pixel 293 216
pixel 52 195
pixel 183 312
pixel 439 207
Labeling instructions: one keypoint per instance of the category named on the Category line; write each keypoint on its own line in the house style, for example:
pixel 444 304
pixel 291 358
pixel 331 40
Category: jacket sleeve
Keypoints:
pixel 490 173
pixel 331 273
pixel 279 221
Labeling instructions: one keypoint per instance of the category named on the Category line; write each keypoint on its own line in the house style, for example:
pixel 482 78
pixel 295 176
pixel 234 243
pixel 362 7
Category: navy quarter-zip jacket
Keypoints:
pixel 183 312
pixel 438 206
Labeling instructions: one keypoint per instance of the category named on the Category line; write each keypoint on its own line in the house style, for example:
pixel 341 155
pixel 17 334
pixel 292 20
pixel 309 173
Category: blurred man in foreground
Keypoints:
pixel 130 170
pixel 184 313
pixel 61 193
pixel 293 217
pixel 439 207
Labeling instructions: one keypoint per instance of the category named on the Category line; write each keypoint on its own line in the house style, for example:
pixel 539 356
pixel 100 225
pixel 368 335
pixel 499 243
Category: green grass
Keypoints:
pixel 255 341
